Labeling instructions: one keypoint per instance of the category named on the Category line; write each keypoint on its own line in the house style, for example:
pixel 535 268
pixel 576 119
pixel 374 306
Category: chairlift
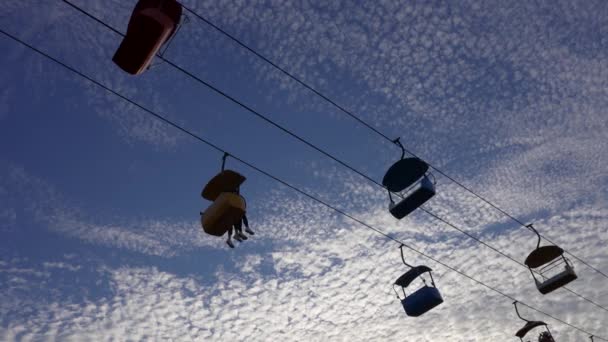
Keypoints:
pixel 151 25
pixel 228 209
pixel 409 179
pixel 544 336
pixel 423 299
pixel 545 259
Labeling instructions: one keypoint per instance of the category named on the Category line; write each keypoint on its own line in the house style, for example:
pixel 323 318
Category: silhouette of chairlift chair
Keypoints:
pixel 152 24
pixel 409 178
pixel 545 259
pixel 228 207
pixel 423 299
pixel 545 336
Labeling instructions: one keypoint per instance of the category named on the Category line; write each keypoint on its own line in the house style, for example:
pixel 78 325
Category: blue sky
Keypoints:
pixel 99 215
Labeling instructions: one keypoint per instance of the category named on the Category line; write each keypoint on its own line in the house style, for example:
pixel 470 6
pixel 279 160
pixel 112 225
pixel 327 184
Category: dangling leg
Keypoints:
pixel 246 223
pixel 238 232
pixel 229 241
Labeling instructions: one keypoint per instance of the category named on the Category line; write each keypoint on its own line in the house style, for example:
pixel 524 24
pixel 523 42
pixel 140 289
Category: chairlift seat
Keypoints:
pixel 543 255
pixel 421 301
pixel 413 200
pixel 151 24
pixel 529 326
pixel 227 210
pixel 557 281
pixel 404 174
pixel 225 181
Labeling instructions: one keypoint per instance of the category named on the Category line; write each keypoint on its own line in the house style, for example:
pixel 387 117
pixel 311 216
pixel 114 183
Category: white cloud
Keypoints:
pixel 330 284
pixel 47 206
pixel 500 101
pixel 68 37
pixel 61 265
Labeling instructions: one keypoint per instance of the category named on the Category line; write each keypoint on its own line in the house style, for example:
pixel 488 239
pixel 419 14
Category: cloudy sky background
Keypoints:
pixel 99 202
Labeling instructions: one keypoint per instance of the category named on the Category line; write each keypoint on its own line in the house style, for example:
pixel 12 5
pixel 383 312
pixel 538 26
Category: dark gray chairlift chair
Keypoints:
pixel 545 336
pixel 545 259
pixel 423 299
pixel 408 177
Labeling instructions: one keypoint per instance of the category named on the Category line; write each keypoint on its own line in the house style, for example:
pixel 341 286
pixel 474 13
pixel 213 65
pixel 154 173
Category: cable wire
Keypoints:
pixel 370 127
pixel 316 148
pixel 284 183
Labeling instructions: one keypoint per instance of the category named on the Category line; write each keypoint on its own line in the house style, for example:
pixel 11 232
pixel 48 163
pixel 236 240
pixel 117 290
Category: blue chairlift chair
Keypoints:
pixel 421 300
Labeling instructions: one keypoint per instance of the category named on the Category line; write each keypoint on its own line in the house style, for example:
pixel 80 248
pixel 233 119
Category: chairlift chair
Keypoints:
pixel 228 208
pixel 151 25
pixel 409 178
pixel 545 336
pixel 421 300
pixel 545 259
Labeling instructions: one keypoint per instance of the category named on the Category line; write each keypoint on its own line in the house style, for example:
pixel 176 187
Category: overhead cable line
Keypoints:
pixel 316 148
pixel 284 183
pixel 311 145
pixel 369 126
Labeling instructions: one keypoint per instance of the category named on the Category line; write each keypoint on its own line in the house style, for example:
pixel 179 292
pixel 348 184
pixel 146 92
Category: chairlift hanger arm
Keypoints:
pixel 531 227
pixel 224 157
pixel 517 312
pixel 398 143
pixel 403 258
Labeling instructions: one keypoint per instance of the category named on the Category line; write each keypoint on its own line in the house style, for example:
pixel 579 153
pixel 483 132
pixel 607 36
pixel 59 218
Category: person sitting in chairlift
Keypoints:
pixel 238 228
pixel 545 336
pixel 227 213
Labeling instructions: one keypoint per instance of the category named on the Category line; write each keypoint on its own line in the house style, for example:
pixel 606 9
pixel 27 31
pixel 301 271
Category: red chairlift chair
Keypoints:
pixel 152 23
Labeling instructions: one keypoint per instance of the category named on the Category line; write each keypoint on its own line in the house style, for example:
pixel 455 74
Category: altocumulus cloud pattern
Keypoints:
pixel 99 215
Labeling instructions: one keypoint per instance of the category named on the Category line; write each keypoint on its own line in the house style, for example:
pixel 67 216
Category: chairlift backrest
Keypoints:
pixel 561 279
pixel 227 210
pixel 413 200
pixel 421 301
